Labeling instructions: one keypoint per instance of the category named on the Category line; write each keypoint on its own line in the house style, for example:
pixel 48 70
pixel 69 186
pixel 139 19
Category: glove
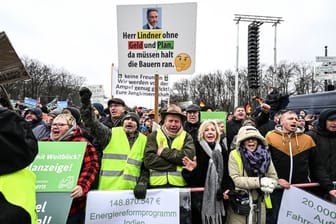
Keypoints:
pixel 85 95
pixel 267 184
pixel 140 191
pixel 267 190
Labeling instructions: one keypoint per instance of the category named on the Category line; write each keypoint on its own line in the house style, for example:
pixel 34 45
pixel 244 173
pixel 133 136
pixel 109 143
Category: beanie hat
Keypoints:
pixel 132 115
pixel 37 111
pixel 247 132
pixel 100 108
pixel 75 113
pixel 69 118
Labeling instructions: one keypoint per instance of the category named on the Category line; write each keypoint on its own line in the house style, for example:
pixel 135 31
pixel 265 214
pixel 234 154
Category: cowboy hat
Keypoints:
pixel 173 110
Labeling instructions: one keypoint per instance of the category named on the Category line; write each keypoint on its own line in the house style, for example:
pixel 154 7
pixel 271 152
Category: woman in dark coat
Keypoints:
pixel 211 173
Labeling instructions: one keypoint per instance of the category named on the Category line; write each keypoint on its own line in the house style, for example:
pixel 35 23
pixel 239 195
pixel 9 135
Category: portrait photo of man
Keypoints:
pixel 152 19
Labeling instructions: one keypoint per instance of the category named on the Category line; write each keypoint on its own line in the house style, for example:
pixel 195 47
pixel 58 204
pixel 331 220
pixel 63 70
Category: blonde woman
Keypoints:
pixel 211 173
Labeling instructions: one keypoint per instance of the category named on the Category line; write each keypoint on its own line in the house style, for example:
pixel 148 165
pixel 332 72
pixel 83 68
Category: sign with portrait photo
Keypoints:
pixel 157 39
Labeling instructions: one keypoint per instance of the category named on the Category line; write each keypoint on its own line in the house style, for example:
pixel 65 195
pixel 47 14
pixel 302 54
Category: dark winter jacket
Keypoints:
pixel 111 123
pixel 232 128
pixel 18 144
pixel 192 129
pixel 326 151
pixel 42 131
pixel 297 147
pixel 267 127
pixel 276 101
pixel 196 178
pixel 273 100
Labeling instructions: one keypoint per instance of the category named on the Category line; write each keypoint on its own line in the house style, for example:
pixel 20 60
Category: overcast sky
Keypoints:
pixel 81 36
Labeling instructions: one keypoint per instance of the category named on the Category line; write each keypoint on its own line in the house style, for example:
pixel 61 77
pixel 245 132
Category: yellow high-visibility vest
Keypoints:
pixel 121 165
pixel 159 178
pixel 25 196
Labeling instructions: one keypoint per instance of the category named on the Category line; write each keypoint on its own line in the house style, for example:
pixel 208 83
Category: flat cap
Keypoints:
pixel 193 107
pixel 116 101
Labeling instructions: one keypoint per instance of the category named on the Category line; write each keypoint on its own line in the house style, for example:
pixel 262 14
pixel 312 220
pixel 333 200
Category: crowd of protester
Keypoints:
pixel 261 153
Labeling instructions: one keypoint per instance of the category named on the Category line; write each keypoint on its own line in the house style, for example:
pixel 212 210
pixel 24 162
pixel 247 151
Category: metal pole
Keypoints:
pixel 275 54
pixel 156 98
pixel 112 79
pixel 237 70
pixel 326 81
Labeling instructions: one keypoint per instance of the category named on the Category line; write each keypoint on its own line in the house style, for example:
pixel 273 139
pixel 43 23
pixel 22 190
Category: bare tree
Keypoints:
pixel 46 83
pixel 180 91
pixel 304 78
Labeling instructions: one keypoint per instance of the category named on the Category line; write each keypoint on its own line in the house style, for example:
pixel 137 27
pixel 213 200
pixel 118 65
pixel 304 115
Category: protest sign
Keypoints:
pixel 299 206
pixel 57 167
pixel 161 206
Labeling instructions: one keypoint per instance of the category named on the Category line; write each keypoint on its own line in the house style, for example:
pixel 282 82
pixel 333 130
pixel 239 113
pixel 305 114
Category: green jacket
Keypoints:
pixel 170 158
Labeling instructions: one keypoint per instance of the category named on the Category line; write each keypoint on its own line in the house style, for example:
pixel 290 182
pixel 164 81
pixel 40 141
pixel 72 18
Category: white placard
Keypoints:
pixel 97 94
pixel 161 206
pixel 138 89
pixel 167 50
pixel 299 206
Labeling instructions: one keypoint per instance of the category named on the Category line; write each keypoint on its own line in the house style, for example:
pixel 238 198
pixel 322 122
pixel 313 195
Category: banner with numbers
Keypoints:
pixel 161 206
pixel 299 206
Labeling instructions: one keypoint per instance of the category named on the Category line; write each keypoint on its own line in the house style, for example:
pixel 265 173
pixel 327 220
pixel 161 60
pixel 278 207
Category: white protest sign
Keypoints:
pixel 168 49
pixel 97 94
pixel 299 206
pixel 161 206
pixel 138 89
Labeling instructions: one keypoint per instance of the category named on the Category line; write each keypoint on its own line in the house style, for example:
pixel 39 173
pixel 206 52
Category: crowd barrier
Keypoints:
pixel 57 167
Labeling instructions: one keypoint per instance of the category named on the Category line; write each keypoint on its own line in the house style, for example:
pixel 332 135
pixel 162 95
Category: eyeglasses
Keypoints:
pixel 58 125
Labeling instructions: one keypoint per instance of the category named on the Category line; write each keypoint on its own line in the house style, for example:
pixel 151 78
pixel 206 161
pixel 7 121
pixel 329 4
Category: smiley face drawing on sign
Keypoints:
pixel 182 62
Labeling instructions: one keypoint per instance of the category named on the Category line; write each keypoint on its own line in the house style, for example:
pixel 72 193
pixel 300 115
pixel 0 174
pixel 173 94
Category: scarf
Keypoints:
pixel 213 209
pixel 255 163
pixel 170 134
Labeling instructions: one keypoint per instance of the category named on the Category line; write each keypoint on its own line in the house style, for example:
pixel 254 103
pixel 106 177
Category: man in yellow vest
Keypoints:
pixel 166 148
pixel 165 152
pixel 123 147
pixel 17 182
